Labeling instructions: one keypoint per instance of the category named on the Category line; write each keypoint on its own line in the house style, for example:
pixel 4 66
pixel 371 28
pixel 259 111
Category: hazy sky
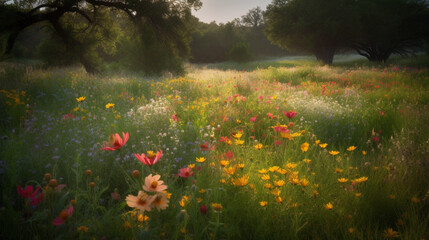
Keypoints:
pixel 223 11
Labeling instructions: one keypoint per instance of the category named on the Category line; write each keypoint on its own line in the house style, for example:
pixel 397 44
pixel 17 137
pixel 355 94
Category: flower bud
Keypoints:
pixel 88 172
pixel 136 174
pixel 53 183
pixel 47 176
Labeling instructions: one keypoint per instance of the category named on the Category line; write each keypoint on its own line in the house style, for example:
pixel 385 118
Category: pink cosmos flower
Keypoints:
pixel 66 213
pixel 252 119
pixel 289 114
pixel 28 191
pixel 153 184
pixel 174 117
pixel 116 142
pixel 37 199
pixel 185 172
pixel 150 159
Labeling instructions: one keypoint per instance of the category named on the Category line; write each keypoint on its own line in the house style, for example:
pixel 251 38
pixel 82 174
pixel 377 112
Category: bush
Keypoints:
pixel 240 52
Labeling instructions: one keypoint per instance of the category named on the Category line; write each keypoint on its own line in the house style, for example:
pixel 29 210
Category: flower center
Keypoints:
pixel 141 201
pixel 151 154
pixel 64 214
pixel 154 184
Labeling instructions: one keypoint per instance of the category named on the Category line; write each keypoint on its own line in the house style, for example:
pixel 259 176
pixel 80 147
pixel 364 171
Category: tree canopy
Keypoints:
pixel 87 25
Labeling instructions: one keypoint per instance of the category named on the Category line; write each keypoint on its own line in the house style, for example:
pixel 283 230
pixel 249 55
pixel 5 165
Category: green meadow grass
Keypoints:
pixel 260 185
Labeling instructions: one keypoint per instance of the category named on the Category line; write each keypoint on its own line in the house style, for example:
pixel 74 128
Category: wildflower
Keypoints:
pixel 150 159
pixel 263 203
pixel 241 166
pixel 306 161
pixel 153 184
pixel 342 180
pixel 64 215
pixel 239 142
pixel 53 183
pixel 83 229
pixel 364 153
pixel 241 181
pixel 304 147
pixel 115 195
pixel 289 114
pixel 201 159
pixel 291 165
pixel 88 172
pixel 116 142
pixel 160 201
pixel 389 233
pixel 268 186
pixel 279 199
pixel 415 199
pixel 47 176
pixel 28 191
pixel 224 163
pixel 230 170
pixel 279 183
pixel 281 171
pixel 360 180
pixel 110 105
pixel 237 135
pixel 204 147
pixel 328 206
pixel 351 148
pixel 304 182
pixel 92 184
pixel 333 153
pixel 317 142
pixel 323 145
pixel 281 129
pixel 184 201
pixel 142 201
pixel 142 218
pixel 338 170
pixel 174 117
pixel 136 173
pixel 203 209
pixel 202 191
pixel 217 206
pixel 253 119
pixel 258 146
pixel 263 171
pixel 185 172
pixel 80 99
pixel 265 177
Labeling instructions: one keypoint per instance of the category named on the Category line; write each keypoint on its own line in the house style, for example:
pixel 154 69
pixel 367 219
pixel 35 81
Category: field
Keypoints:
pixel 279 149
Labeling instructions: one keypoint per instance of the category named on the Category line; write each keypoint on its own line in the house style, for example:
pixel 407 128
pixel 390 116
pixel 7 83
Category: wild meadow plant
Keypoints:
pixel 295 151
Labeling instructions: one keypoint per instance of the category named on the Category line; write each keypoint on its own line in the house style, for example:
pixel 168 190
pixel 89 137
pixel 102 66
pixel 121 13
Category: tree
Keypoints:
pixel 316 26
pixel 254 18
pixel 390 26
pixel 84 24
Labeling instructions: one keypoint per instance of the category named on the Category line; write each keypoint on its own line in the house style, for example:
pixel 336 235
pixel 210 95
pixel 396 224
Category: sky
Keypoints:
pixel 223 11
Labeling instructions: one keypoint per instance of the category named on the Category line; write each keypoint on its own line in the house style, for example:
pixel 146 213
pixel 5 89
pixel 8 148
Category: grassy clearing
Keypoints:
pixel 351 164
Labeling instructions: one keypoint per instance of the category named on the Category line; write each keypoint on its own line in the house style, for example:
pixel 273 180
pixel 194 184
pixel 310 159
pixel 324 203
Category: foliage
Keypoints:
pixel 240 52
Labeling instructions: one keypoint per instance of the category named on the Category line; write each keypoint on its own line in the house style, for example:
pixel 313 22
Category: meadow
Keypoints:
pixel 279 149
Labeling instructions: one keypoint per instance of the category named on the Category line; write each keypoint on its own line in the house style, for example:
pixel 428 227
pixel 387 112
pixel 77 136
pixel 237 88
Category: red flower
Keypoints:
pixel 289 114
pixel 203 209
pixel 185 172
pixel 28 191
pixel 151 158
pixel 66 213
pixel 116 142
pixel 174 117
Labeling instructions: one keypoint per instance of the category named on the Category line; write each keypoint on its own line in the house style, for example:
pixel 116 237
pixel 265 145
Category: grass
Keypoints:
pixel 280 179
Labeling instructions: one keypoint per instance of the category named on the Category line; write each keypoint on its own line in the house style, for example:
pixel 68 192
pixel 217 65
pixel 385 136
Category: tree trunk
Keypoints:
pixel 325 55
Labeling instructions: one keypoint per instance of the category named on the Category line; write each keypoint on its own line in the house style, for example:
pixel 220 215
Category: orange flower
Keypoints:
pixel 116 142
pixel 160 201
pixel 333 153
pixel 142 201
pixel 304 147
pixel 329 206
pixel 153 184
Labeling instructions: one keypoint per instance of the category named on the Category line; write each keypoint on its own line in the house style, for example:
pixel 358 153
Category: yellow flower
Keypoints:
pixel 118 116
pixel 342 180
pixel 184 201
pixel 80 99
pixel 391 196
pixel 191 166
pixel 279 199
pixel 263 171
pixel 307 161
pixel 217 206
pixel 364 153
pixel 415 199
pixel 258 146
pixel 202 191
pixel 317 142
pixel 223 163
pixel 360 180
pixel 333 153
pixel 291 165
pixel 358 194
pixel 294 181
pixel 238 121
pixel 338 170
pixel 201 159
pixel 110 105
pixel 304 147
pixel 268 185
pixel 263 203
pixel 304 182
pixel 237 135
pixel 199 200
pixel 273 168
pixel 76 109
pixel 351 148
pixel 230 170
pixel 323 145
pixel 142 218
pixel 328 206
pixel 241 165
pixel 239 142
pixel 265 177
pixel 82 228
pixel 241 181
pixel 351 230
pixel 389 233
pixel 279 183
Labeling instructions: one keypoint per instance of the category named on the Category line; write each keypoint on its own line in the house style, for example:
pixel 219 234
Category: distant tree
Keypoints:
pixel 391 26
pixel 316 26
pixel 84 25
pixel 254 18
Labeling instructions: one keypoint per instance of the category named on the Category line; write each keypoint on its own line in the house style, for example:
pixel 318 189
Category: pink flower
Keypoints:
pixel 153 184
pixel 66 213
pixel 253 119
pixel 116 142
pixel 37 199
pixel 151 158
pixel 203 209
pixel 115 196
pixel 261 97
pixel 185 172
pixel 174 117
pixel 289 114
pixel 277 142
pixel 270 115
pixel 28 191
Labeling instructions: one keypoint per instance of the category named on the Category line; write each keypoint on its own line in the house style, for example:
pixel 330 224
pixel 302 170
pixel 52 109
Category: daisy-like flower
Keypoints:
pixel 273 168
pixel 291 165
pixel 201 159
pixel 342 180
pixel 217 206
pixel 263 171
pixel 142 201
pixel 304 147
pixel 241 181
pixel 116 142
pixel 258 146
pixel 279 183
pixel 351 148
pixel 110 105
pixel 263 203
pixel 153 184
pixel 360 180
pixel 28 191
pixel 333 153
pixel 239 142
pixel 323 145
pixel 265 177
pixel 80 99
pixel 289 114
pixel 237 135
pixel 224 163
pixel 150 159
pixel 185 172
pixel 328 206
pixel 304 182
pixel 390 233
pixel 64 215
